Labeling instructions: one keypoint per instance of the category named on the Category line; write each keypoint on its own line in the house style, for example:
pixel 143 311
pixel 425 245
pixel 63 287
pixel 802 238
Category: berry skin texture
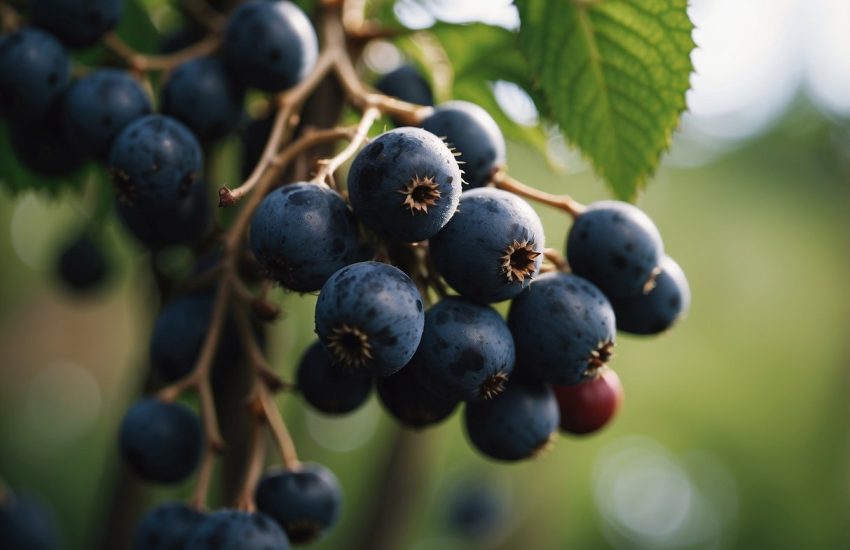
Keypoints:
pixel 26 522
pixel 589 406
pixel 76 22
pixel 472 132
pixel 203 95
pixel 34 71
pixel 302 234
pixel 237 530
pixel 305 502
pixel 517 424
pixel 161 442
pixel 407 84
pixel 615 246
pixel 657 311
pixel 466 352
pixel 410 403
pixel 166 527
pixel 404 185
pixel 154 162
pixel 98 106
pixel 369 316
pixel 492 248
pixel 329 387
pixel 82 266
pixel 563 328
pixel 270 45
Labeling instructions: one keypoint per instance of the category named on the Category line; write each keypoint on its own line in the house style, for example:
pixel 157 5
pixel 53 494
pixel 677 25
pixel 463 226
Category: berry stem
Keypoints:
pixel 202 13
pixel 556 259
pixel 202 483
pixel 327 167
pixel 145 63
pixel 256 461
pixel 563 202
pixel 254 354
pixel 281 434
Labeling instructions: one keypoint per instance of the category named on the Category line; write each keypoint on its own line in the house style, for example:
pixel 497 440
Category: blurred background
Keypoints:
pixel 734 431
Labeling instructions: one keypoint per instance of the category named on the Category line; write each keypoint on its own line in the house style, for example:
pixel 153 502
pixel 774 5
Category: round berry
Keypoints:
pixel 369 317
pixel 82 265
pixel 658 310
pixel 26 522
pixel 589 406
pixel 76 22
pixel 615 246
pixel 166 527
pixel 305 502
pixel 160 441
pixel 477 509
pixel 563 328
pixel 271 45
pixel 34 71
pixel 329 387
pixel 404 185
pixel 43 147
pixel 302 233
pixel 409 402
pixel 492 248
pixel 237 530
pixel 471 131
pixel 407 84
pixel 516 424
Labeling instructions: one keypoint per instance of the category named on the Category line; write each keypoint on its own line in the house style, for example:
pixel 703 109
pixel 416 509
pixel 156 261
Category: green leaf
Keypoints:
pixel 614 74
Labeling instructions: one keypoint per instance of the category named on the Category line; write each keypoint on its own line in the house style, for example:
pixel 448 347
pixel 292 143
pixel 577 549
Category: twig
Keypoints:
pixel 328 166
pixel 202 483
pixel 556 259
pixel 144 63
pixel 563 202
pixel 283 439
pixel 201 12
pixel 253 353
pixel 256 461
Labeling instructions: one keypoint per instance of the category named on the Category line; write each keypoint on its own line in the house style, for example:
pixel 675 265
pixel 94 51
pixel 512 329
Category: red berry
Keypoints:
pixel 587 407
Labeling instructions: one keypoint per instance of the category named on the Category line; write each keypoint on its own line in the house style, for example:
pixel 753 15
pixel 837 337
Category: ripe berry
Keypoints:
pixel 236 530
pixel 516 424
pixel 154 162
pixel 658 310
pixel 305 502
pixel 98 106
pixel 404 185
pixel 329 387
pixel 166 527
pixel 76 22
pixel 471 131
pixel 204 95
pixel 369 317
pixel 492 248
pixel 466 352
pixel 409 402
pixel 34 71
pixel 82 264
pixel 563 328
pixel 27 523
pixel 615 246
pixel 302 233
pixel 43 146
pixel 270 45
pixel 407 84
pixel 161 442
pixel 589 406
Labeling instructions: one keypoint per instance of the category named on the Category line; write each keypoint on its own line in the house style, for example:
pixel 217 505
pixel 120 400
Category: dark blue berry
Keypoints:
pixel 236 530
pixel 369 316
pixel 615 246
pixel 76 22
pixel 82 265
pixel 563 328
pixel 492 248
pixel 270 45
pixel 516 424
pixel 203 95
pixel 471 131
pixel 34 71
pixel 155 161
pixel 166 527
pixel 658 310
pixel 404 185
pixel 329 387
pixel 27 523
pixel 302 233
pixel 466 352
pixel 407 84
pixel 305 502
pixel 43 147
pixel 99 106
pixel 476 510
pixel 409 402
pixel 161 442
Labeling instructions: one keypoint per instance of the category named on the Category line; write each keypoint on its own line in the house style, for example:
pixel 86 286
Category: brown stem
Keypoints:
pixel 257 460
pixel 144 63
pixel 9 17
pixel 204 14
pixel 254 354
pixel 557 259
pixel 202 482
pixel 283 440
pixel 328 166
pixel 563 202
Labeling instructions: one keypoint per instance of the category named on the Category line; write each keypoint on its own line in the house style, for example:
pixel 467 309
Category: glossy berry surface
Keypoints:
pixel 492 248
pixel 466 352
pixel 305 502
pixel 34 71
pixel 154 162
pixel 166 527
pixel 237 530
pixel 26 523
pixel 516 424
pixel 98 106
pixel 330 388
pixel 369 316
pixel 76 22
pixel 658 310
pixel 563 328
pixel 404 185
pixel 616 246
pixel 161 442
pixel 82 265
pixel 407 84
pixel 409 402
pixel 302 233
pixel 589 406
pixel 205 96
pixel 270 45
pixel 472 132
pixel 43 147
